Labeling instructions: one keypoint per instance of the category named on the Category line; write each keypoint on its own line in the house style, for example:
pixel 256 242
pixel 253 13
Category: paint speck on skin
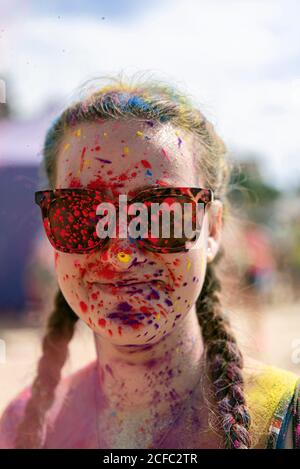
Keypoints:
pixel 67 145
pixel 82 159
pixel 188 265
pixel 102 322
pixel 168 302
pixel 146 164
pixel 103 160
pixel 139 133
pixel 165 154
pixel 124 306
pixel 83 306
pixel 123 257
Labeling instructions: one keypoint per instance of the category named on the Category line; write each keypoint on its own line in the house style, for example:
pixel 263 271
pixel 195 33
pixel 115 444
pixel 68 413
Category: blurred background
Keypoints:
pixel 240 60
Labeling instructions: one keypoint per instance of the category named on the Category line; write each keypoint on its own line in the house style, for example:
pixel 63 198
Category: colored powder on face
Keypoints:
pixel 102 322
pixel 124 306
pixel 153 295
pixel 67 145
pixel 168 302
pixel 82 158
pixel 148 173
pixel 188 266
pixel 139 133
pixel 165 154
pixel 102 160
pixel 83 306
pixel 75 182
pixel 123 257
pixel 146 164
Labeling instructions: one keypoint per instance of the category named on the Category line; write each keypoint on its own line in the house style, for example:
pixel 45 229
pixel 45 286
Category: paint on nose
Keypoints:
pixel 124 257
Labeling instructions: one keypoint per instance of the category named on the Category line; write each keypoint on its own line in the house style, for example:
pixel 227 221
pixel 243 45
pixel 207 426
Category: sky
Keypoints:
pixel 238 59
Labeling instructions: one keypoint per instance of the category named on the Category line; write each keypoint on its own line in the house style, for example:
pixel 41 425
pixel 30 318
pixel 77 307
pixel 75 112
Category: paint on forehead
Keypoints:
pixel 165 154
pixel 103 160
pixel 146 164
pixel 125 151
pixel 83 151
pixel 66 147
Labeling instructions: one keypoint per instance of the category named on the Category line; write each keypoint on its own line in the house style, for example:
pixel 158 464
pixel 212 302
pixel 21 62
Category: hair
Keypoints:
pixel 148 99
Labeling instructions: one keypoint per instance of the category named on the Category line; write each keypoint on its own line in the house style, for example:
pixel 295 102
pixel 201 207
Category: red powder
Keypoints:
pixel 146 164
pixel 102 322
pixel 75 182
pixel 83 306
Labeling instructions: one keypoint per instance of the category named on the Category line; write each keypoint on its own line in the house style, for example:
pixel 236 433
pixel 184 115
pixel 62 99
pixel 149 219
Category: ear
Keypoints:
pixel 214 229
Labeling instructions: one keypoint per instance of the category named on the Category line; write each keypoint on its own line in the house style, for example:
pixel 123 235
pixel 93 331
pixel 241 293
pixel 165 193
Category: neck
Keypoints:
pixel 154 380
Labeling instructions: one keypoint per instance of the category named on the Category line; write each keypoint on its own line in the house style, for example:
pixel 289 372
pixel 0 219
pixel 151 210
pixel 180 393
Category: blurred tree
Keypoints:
pixel 248 191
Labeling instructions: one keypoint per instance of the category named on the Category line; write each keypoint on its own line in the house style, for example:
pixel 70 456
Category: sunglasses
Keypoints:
pixel 70 217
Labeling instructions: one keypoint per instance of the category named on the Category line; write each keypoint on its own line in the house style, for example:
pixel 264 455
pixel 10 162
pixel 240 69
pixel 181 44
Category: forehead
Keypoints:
pixel 123 156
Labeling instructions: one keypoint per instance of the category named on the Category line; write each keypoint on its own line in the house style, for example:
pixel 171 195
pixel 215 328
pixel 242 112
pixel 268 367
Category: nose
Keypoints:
pixel 121 254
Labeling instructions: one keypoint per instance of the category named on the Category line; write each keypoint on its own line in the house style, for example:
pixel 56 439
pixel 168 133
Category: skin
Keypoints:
pixel 149 354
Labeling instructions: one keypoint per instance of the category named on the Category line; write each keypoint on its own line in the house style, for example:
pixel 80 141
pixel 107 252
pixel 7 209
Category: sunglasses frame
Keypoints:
pixel 44 199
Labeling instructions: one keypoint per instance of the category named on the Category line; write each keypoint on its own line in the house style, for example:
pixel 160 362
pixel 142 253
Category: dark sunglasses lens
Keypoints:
pixel 177 223
pixel 73 220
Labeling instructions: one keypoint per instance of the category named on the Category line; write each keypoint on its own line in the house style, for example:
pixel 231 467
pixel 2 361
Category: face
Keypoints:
pixel 120 158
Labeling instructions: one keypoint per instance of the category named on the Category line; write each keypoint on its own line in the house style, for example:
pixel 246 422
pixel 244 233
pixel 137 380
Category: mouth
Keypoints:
pixel 127 284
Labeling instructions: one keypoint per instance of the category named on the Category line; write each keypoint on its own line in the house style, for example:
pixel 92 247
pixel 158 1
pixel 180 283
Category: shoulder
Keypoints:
pixel 269 391
pixel 11 416
pixel 71 387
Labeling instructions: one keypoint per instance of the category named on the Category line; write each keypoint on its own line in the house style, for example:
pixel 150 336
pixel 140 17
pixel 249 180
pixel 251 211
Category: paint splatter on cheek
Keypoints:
pixel 83 306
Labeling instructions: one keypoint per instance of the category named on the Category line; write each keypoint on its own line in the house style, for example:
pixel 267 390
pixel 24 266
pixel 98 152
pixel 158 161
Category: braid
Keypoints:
pixel 60 330
pixel 224 362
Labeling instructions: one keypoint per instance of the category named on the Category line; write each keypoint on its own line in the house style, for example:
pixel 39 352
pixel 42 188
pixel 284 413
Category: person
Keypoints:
pixel 168 371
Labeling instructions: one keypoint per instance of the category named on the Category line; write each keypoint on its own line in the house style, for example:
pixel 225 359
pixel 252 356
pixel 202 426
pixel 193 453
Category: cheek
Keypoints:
pixel 69 270
pixel 188 275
